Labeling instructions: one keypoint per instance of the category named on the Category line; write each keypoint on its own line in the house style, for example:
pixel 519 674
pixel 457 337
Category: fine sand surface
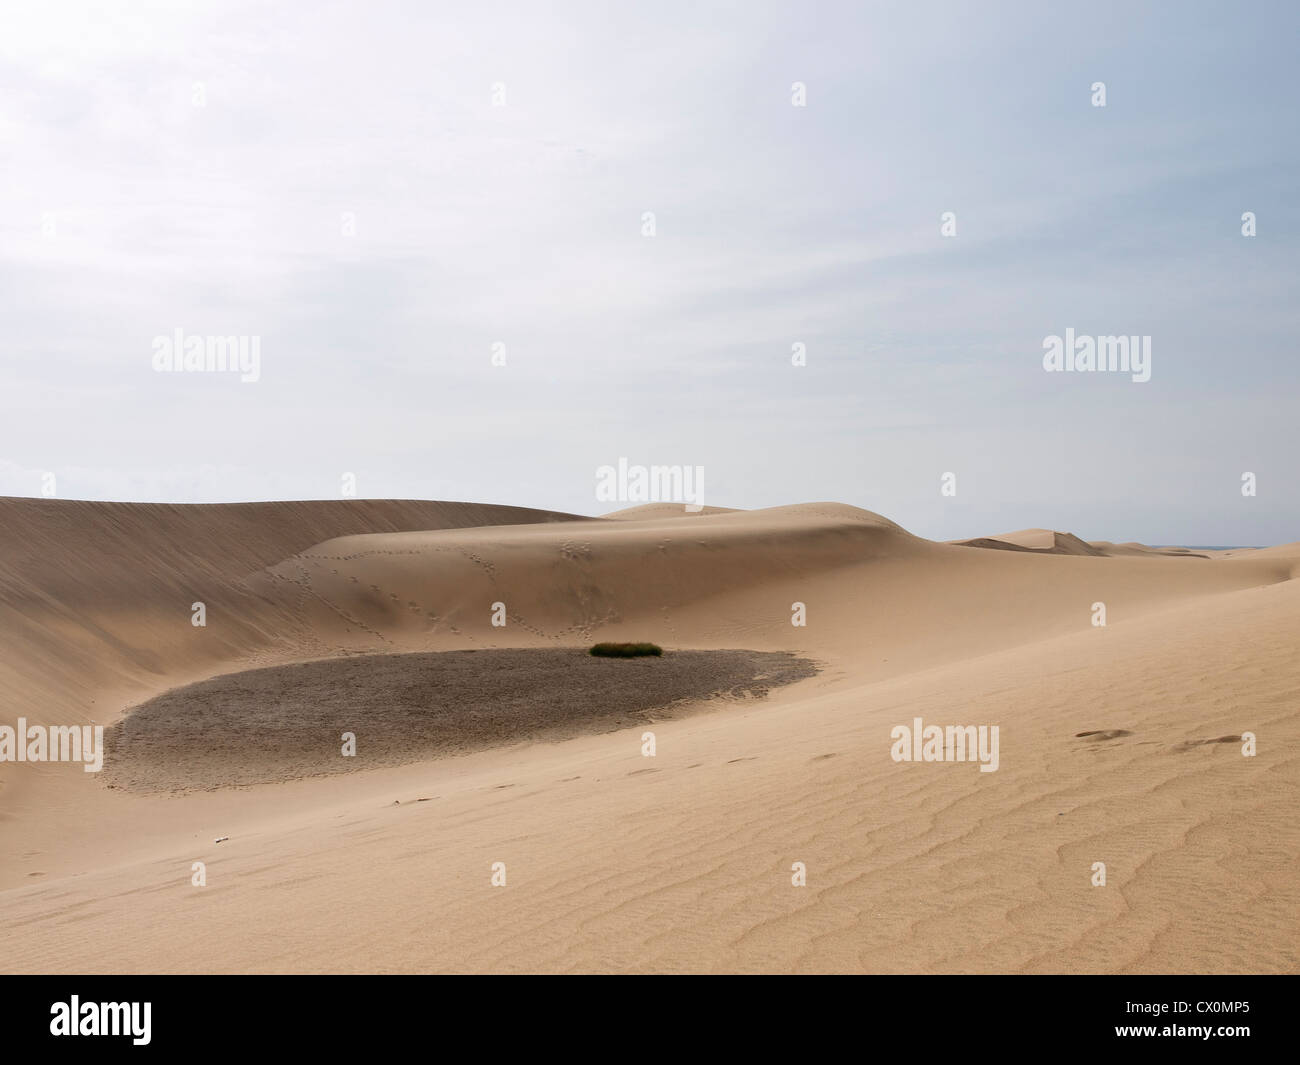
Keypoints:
pixel 260 726
pixel 1119 744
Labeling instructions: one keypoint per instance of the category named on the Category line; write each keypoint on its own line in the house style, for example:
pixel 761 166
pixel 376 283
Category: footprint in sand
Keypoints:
pixel 1187 745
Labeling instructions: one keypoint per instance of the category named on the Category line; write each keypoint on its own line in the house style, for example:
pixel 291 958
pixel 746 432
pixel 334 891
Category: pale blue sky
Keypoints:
pixel 775 224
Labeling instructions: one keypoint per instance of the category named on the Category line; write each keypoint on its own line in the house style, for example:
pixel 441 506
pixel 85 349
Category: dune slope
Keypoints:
pixel 1119 744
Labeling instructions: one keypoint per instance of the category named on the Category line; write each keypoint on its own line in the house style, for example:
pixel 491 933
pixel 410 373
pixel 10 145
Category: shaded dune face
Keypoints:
pixel 265 725
pixel 80 552
pixel 96 598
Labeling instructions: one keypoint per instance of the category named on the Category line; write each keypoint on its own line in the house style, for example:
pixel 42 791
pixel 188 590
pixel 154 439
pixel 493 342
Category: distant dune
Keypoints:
pixel 666 510
pixel 1119 744
pixel 1051 542
pixel 1044 541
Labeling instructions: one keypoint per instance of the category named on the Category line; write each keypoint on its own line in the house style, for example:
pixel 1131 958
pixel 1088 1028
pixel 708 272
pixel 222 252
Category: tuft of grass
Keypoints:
pixel 626 650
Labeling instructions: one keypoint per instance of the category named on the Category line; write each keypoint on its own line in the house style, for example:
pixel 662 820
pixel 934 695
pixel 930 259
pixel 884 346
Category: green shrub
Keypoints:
pixel 626 650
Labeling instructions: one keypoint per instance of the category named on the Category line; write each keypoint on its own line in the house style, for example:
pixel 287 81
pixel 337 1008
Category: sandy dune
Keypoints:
pixel 1053 542
pixel 1114 748
pixel 1047 541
